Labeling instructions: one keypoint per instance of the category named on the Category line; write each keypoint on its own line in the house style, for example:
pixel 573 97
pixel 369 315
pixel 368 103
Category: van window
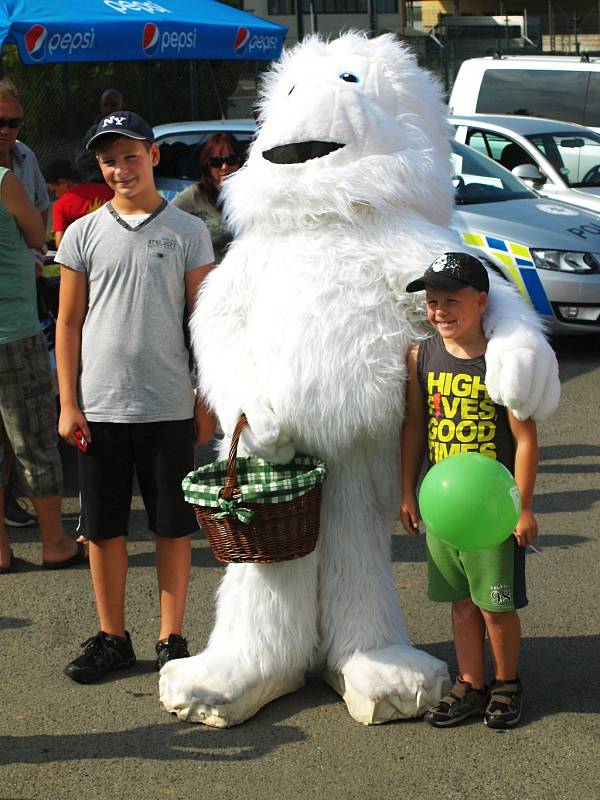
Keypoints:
pixel 592 111
pixel 558 94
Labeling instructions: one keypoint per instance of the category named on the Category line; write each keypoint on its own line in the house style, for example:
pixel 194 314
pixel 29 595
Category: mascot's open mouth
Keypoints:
pixel 299 152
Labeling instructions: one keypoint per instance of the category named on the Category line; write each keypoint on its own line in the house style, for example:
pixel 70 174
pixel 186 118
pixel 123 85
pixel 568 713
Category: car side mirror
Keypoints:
pixel 530 174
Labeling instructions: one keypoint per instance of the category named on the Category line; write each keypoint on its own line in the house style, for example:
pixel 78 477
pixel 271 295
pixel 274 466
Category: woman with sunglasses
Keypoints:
pixel 220 156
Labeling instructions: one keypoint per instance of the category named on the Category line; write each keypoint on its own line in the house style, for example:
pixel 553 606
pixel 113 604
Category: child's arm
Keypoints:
pixel 526 461
pixel 71 315
pixel 193 281
pixel 412 446
pixel 204 420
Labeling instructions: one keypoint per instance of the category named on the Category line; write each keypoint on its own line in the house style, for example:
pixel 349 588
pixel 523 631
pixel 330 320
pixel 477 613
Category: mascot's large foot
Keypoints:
pixel 220 694
pixel 398 682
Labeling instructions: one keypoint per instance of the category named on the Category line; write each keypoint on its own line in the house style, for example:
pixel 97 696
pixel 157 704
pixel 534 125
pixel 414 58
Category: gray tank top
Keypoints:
pixel 461 417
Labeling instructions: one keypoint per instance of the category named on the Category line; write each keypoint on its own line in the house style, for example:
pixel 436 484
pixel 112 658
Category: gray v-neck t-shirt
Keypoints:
pixel 134 362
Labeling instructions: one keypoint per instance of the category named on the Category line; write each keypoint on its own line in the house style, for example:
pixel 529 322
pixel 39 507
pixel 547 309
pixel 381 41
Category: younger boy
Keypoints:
pixel 74 198
pixel 128 271
pixel 449 411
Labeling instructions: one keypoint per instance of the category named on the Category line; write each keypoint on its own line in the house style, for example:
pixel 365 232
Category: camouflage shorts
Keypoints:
pixel 28 416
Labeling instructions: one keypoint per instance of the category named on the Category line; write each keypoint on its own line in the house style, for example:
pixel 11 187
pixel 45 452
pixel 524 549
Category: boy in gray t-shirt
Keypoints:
pixel 128 272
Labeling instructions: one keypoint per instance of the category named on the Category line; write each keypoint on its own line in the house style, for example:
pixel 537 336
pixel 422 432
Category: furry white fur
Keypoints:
pixel 305 327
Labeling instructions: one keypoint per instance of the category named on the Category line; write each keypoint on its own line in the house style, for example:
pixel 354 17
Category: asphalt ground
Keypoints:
pixel 63 741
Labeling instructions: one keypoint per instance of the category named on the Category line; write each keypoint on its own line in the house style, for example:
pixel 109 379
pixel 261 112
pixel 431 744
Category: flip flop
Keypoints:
pixel 78 557
pixel 9 568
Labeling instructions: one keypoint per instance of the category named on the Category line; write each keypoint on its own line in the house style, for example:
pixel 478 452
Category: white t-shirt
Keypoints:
pixel 134 362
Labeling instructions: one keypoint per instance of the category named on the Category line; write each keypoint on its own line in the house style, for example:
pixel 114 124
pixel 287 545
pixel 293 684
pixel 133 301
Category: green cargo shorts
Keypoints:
pixel 28 417
pixel 493 578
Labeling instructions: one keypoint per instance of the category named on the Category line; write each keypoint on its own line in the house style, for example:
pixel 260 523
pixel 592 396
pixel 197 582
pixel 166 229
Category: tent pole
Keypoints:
pixel 214 83
pixel 193 89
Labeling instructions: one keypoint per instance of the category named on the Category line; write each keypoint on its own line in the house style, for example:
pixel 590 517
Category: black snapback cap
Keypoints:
pixel 125 123
pixel 452 272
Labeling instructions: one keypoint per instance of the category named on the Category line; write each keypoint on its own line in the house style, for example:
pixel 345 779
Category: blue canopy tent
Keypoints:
pixel 54 31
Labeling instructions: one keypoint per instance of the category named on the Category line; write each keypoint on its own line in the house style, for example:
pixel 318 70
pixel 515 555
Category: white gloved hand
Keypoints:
pixel 523 378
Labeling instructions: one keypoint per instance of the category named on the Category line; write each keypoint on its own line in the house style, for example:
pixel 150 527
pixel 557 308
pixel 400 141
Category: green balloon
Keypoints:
pixel 470 501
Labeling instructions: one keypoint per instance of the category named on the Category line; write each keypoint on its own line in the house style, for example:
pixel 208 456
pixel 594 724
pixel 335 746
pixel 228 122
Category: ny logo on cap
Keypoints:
pixel 113 121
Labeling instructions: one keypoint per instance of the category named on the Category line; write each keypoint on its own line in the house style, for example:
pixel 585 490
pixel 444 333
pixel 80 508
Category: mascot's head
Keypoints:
pixel 346 127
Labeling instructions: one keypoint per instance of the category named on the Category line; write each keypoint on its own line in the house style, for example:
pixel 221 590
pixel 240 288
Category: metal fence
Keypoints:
pixel 61 101
pixel 559 31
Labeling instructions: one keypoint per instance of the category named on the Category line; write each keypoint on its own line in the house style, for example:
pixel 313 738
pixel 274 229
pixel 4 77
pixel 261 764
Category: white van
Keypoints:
pixel 565 88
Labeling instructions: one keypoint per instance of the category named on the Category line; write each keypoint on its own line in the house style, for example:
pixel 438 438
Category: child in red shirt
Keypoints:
pixel 74 199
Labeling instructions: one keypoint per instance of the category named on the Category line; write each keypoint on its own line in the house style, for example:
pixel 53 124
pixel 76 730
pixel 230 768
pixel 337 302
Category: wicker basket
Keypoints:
pixel 273 526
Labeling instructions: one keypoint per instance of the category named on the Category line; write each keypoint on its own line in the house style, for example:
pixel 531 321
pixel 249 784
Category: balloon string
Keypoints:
pixel 545 557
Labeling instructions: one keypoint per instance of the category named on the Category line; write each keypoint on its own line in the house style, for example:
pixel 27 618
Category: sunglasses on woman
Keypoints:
pixel 10 122
pixel 218 161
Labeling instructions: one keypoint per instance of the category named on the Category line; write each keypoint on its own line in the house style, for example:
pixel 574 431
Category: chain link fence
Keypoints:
pixel 61 101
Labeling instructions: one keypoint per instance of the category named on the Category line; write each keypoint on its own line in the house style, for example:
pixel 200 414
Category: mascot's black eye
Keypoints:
pixel 349 77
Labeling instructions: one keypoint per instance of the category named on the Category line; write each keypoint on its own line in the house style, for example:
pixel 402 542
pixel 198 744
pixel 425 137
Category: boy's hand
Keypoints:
pixel 69 421
pixel 409 515
pixel 204 423
pixel 526 529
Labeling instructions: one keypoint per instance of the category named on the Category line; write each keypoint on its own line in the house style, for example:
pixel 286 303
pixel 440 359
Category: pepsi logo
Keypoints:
pixel 150 38
pixel 241 38
pixel 35 41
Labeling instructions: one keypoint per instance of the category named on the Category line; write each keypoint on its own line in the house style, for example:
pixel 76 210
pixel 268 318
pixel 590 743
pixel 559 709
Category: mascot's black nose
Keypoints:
pixel 299 152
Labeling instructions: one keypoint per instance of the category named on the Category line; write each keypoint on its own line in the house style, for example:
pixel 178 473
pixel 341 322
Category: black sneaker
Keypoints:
pixel 15 513
pixel 463 701
pixel 174 647
pixel 505 706
pixel 101 654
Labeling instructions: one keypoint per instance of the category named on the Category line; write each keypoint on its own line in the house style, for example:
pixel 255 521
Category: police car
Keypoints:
pixel 549 249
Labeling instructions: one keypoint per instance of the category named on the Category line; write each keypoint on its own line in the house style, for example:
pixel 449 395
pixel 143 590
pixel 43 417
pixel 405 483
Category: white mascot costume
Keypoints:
pixel 346 196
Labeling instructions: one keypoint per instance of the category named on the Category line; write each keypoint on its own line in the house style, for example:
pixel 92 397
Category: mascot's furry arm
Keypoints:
pixel 229 377
pixel 521 367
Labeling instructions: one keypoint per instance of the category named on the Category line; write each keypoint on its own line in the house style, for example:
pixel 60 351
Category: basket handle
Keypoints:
pixel 231 481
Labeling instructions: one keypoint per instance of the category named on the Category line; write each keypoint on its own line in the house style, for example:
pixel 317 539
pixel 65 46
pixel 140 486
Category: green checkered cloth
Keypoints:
pixel 259 482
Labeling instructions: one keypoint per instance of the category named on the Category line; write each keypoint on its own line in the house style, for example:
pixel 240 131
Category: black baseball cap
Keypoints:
pixel 452 272
pixel 60 168
pixel 125 123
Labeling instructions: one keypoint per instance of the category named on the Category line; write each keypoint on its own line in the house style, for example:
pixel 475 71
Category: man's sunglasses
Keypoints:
pixel 10 122
pixel 218 161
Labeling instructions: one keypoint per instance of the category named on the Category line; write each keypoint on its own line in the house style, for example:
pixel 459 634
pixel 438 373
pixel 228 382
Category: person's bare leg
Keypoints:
pixel 4 540
pixel 173 561
pixel 56 545
pixel 504 633
pixel 108 565
pixel 468 627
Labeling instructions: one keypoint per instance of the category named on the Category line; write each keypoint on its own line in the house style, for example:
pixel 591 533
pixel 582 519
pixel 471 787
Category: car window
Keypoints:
pixel 494 145
pixel 478 179
pixel 179 153
pixel 558 94
pixel 576 157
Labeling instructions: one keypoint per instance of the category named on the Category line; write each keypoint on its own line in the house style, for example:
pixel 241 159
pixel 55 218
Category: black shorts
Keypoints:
pixel 162 454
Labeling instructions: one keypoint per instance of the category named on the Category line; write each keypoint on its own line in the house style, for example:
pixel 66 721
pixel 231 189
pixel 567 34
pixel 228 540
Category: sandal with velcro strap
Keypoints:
pixel 462 702
pixel 505 705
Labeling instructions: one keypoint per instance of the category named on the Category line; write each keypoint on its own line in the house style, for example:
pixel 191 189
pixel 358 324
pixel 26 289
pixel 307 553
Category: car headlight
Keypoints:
pixel 565 261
